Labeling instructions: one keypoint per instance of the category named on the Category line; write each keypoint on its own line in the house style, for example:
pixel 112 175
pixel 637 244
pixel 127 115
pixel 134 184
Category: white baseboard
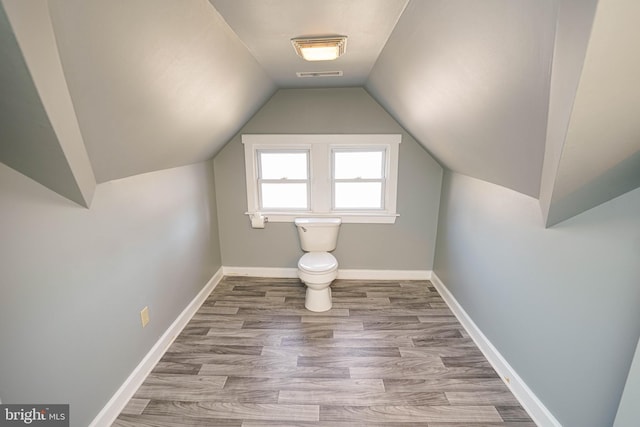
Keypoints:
pixel 287 273
pixel 349 274
pixel 119 400
pixel 529 401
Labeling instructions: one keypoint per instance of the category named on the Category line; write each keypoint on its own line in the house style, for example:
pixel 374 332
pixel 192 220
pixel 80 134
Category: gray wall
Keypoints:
pixel 560 304
pixel 73 280
pixel 406 245
pixel 629 411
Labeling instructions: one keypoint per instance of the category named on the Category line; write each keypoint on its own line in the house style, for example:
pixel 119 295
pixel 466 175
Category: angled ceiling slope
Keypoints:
pixel 95 91
pixel 156 83
pixel 470 81
pixel 539 97
pixel 599 154
pixel 39 133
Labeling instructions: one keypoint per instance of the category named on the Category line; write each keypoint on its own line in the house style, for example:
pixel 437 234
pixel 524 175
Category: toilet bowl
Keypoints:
pixel 318 268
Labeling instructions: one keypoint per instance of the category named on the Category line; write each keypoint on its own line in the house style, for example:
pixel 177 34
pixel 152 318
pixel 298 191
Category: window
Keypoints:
pixel 358 179
pixel 350 176
pixel 283 179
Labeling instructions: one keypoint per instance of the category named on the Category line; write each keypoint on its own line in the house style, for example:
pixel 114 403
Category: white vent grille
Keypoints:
pixel 319 74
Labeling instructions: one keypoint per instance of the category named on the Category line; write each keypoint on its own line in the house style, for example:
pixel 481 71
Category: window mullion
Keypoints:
pixel 321 178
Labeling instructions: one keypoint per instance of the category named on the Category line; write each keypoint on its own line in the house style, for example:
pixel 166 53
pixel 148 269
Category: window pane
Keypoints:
pixel 284 195
pixel 278 165
pixel 358 164
pixel 358 195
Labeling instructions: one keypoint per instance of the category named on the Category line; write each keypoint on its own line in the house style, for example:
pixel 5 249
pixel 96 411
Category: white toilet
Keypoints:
pixel 318 268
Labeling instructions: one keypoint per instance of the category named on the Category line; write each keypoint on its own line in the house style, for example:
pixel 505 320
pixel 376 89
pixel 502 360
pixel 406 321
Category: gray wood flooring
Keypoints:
pixel 388 353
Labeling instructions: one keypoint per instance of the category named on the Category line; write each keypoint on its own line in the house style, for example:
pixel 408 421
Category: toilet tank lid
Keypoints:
pixel 310 222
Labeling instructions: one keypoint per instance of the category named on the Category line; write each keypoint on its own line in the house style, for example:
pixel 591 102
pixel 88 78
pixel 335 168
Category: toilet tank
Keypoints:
pixel 318 234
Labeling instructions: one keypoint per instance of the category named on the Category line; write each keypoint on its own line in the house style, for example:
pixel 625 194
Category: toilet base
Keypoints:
pixel 318 300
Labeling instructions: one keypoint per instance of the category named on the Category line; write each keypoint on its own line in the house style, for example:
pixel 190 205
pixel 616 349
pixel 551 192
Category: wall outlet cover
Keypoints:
pixel 144 316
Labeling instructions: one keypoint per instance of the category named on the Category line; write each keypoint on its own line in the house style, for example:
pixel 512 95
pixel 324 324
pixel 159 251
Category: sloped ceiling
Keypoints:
pixel 39 133
pixel 601 146
pixel 155 84
pixel 470 80
pixel 536 95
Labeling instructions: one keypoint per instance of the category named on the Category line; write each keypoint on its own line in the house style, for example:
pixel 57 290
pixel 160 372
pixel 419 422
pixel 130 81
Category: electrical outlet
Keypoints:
pixel 144 316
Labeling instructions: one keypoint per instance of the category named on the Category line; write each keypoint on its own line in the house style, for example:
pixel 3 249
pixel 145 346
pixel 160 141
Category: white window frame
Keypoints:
pixel 321 174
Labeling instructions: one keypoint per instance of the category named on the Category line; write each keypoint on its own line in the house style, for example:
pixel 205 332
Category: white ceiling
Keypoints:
pixel 266 27
pixel 495 89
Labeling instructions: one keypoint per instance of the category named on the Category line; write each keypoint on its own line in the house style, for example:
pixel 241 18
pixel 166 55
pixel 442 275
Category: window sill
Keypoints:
pixel 347 217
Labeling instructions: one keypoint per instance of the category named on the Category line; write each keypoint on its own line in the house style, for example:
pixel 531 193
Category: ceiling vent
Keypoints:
pixel 319 74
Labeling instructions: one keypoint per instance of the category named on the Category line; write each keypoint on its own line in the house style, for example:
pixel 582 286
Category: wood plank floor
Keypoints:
pixel 389 353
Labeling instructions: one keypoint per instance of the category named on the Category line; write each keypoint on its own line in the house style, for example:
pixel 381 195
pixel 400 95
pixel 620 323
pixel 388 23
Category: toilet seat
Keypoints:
pixel 317 263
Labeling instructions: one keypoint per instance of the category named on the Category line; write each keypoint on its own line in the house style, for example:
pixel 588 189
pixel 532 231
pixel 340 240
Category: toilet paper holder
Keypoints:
pixel 257 219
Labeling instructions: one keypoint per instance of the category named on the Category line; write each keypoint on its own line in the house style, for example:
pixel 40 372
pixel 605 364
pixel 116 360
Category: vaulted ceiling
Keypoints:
pixel 537 95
